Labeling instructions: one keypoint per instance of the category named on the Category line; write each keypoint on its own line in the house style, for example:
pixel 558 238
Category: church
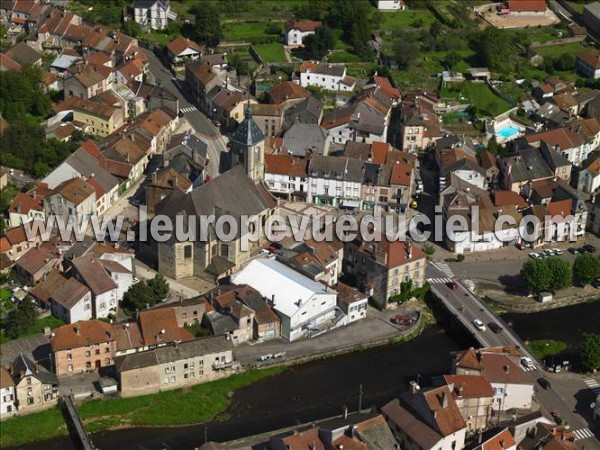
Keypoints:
pixel 237 192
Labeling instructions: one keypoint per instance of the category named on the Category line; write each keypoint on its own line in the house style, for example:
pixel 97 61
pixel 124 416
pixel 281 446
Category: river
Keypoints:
pixel 301 394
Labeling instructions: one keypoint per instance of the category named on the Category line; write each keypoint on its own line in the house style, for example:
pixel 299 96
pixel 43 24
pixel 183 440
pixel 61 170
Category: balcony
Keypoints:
pixel 223 365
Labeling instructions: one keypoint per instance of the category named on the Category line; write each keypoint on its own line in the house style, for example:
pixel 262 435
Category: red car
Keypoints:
pixel 452 285
pixel 402 320
pixel 520 246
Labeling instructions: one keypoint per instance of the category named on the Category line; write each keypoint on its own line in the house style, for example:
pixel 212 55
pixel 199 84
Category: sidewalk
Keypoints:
pixel 376 326
pixel 144 273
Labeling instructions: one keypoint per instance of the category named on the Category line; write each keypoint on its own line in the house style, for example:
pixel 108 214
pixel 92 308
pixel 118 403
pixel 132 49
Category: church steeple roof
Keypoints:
pixel 248 132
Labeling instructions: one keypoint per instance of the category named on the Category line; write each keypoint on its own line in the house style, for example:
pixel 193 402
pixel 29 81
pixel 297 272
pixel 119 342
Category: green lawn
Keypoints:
pixel 4 294
pixel 578 7
pixel 479 95
pixel 187 406
pixel 344 56
pixel 156 37
pixel 557 50
pixel 547 347
pixel 49 321
pixel 244 31
pixel 270 53
pixel 407 19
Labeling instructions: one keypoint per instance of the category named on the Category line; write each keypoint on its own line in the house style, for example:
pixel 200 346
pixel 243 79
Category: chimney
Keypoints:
pixel 77 331
pixel 414 387
pixel 174 181
pixel 444 400
pixel 154 177
pixel 33 194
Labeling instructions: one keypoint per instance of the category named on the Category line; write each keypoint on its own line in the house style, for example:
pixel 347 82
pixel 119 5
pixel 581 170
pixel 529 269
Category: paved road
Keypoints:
pixel 570 395
pixel 217 143
pixel 561 12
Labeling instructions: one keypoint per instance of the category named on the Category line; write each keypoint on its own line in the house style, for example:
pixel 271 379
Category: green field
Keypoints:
pixel 196 404
pixel 244 31
pixel 479 95
pixel 270 53
pixel 407 19
pixel 557 50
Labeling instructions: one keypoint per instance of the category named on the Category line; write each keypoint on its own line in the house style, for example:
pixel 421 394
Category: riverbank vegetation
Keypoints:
pixel 590 351
pixel 197 404
pixel 547 347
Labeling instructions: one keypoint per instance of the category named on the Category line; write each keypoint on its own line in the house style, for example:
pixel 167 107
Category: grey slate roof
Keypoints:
pixel 594 9
pixel 529 164
pixel 87 165
pixel 332 167
pixel 248 132
pixel 23 366
pixel 465 164
pixel 308 110
pixel 330 69
pixel 220 323
pixel 71 292
pixel 302 137
pixel 171 353
pixel 23 54
pixel 553 157
pixel 377 174
pixel 232 192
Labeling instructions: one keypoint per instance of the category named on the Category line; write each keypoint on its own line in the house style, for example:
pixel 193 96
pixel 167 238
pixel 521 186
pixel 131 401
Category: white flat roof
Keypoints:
pixel 272 278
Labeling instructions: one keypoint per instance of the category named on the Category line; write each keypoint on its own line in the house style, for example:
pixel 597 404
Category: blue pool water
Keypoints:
pixel 508 131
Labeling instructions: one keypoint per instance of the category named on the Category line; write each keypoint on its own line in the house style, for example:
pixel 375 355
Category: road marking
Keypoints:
pixel 439 280
pixel 583 433
pixel 593 385
pixel 528 369
pixel 188 109
pixel 446 269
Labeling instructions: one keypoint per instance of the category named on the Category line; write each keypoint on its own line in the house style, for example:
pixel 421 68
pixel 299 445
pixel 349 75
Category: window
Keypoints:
pixel 97 351
pixel 86 307
pixel 185 366
pixel 70 368
pixel 187 251
pixel 30 400
pixel 88 354
pixel 88 365
pixel 69 356
pixel 106 361
pixel 225 250
pixel 107 350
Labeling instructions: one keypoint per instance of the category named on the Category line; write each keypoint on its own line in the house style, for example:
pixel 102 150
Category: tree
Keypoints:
pixel 318 44
pixel 159 286
pixel 405 53
pixel 586 268
pixel 207 24
pixel 452 59
pixel 537 275
pixel 494 49
pixel 561 273
pixel 139 296
pixel 132 28
pixel 21 319
pixel 590 351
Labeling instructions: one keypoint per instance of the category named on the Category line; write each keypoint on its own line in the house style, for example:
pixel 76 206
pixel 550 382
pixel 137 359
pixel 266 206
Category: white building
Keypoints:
pixel 335 181
pixel 154 14
pixel 72 302
pixel 327 76
pixel 305 306
pixel 7 394
pixel 72 200
pixel 297 30
pixel 391 5
pixel 286 175
pixel 589 176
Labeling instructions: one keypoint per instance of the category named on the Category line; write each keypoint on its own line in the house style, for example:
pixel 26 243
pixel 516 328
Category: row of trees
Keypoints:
pixel 553 274
pixel 145 294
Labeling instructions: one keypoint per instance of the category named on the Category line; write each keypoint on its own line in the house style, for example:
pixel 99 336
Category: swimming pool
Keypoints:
pixel 508 132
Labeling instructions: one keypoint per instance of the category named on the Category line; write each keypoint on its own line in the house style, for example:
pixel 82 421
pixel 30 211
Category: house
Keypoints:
pixel 182 50
pixel 527 7
pixel 474 396
pixel 420 124
pixel 99 119
pixel 589 131
pixel 591 17
pixel 384 84
pixel 426 419
pixel 229 107
pixel 296 30
pixel 15 242
pixel 524 167
pixel 501 367
pixel 72 302
pixel 71 201
pixel 559 164
pixel 7 63
pixel 108 281
pixel 161 183
pixel 36 389
pixel 352 302
pixel 28 206
pixel 320 261
pixel 309 111
pixel 376 194
pixel 232 193
pixel 266 323
pixel 565 140
pixel 286 176
pixel 268 117
pixel 391 5
pixel 304 306
pixel 487 161
pixel 202 79
pixel 588 64
pixel 37 263
pixel 132 70
pixel 24 55
pixel 589 176
pixel 287 94
pixel 174 366
pixel 302 139
pixel 8 398
pixel 365 121
pixel 402 179
pixel 82 347
pixel 85 82
pixel 227 304
pixel 381 267
pixel 334 181
pixel 154 14
pixel 503 440
pixel 326 76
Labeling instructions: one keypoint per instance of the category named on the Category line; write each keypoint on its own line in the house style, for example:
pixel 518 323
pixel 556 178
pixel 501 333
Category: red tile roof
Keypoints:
pixel 386 87
pixel 179 44
pixel 160 326
pixel 379 151
pixel 401 174
pixel 565 138
pixel 302 25
pixel 527 5
pixel 590 58
pixel 80 334
pixel 8 63
pixel 500 441
pixel 509 198
pixel 288 90
pixel 470 386
pixel 561 208
pixel 286 165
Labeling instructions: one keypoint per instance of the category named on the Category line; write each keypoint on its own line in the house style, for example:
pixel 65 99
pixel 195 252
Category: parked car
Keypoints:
pixel 452 285
pixel 589 248
pixel 216 123
pixel 495 327
pixel 479 325
pixel 266 252
pixel 557 251
pixel 527 362
pixel 520 245
pixel 548 252
pixel 574 250
pixel 544 383
pixel 535 255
